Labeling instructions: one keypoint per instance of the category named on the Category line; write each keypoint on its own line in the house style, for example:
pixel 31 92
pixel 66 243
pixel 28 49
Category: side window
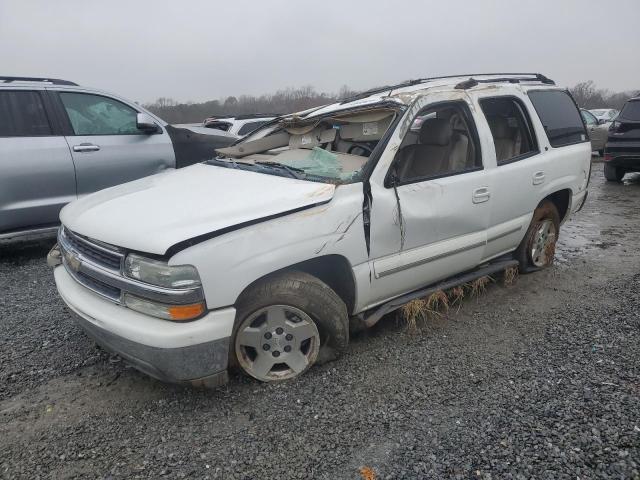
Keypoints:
pixel 22 114
pixel 588 118
pixel 442 141
pixel 250 127
pixel 511 128
pixel 98 115
pixel 224 126
pixel 559 116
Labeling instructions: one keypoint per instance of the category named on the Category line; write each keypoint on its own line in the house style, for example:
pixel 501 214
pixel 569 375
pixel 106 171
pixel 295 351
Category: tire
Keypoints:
pixel 283 318
pixel 613 174
pixel 537 249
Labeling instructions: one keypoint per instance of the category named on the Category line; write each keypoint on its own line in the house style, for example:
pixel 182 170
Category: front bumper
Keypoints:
pixel 194 352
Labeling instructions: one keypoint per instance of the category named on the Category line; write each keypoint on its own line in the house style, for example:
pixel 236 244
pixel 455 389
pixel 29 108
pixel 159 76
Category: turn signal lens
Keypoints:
pixel 186 312
pixel 161 310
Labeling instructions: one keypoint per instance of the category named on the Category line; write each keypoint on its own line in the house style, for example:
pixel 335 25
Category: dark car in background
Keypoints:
pixel 622 151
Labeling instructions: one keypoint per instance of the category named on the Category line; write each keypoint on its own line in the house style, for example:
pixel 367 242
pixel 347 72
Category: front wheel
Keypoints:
pixel 613 174
pixel 538 247
pixel 285 324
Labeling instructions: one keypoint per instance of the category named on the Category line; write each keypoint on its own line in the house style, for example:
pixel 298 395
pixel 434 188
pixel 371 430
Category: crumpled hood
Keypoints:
pixel 154 213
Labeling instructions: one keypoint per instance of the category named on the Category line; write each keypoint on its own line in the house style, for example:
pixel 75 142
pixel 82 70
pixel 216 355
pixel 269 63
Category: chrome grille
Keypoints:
pixel 101 288
pixel 103 256
pixel 99 267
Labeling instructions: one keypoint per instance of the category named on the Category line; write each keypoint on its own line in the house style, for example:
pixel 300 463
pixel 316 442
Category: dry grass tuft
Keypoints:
pixel 437 302
pixel 456 295
pixel 479 285
pixel 510 276
pixel 412 312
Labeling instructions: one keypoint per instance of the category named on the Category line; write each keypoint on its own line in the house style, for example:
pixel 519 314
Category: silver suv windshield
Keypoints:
pixel 332 148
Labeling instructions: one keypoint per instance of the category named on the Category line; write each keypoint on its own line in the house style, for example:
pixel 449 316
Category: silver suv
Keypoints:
pixel 60 141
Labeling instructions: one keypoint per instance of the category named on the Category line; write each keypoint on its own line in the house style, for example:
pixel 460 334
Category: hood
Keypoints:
pixel 154 213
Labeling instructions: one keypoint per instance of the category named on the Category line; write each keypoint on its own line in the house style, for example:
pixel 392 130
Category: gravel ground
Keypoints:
pixel 537 380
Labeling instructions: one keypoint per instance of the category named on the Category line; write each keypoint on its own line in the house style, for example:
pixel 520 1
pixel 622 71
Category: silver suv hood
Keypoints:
pixel 154 213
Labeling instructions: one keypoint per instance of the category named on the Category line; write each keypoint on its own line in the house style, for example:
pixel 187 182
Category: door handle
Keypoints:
pixel 481 194
pixel 538 178
pixel 86 147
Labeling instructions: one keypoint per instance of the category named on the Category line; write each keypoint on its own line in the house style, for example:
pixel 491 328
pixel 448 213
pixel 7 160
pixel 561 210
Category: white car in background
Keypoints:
pixel 239 125
pixel 322 222
pixel 605 114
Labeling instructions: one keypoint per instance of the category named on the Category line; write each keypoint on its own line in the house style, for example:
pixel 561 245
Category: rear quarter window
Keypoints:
pixel 559 116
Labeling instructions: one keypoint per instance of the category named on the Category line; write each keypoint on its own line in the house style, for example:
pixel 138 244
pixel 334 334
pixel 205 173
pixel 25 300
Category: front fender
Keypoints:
pixel 229 263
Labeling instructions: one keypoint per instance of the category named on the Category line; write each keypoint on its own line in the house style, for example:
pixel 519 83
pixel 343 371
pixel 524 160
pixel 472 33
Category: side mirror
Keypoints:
pixel 145 123
pixel 601 121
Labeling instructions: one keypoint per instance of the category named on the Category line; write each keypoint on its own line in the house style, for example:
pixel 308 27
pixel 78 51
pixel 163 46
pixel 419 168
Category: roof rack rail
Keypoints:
pixel 502 77
pixel 472 82
pixel 54 81
pixel 247 116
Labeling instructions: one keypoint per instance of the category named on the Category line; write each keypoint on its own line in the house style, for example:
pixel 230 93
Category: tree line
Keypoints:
pixel 283 101
pixel 586 94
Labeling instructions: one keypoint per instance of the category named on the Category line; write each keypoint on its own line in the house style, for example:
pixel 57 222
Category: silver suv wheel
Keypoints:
pixel 277 342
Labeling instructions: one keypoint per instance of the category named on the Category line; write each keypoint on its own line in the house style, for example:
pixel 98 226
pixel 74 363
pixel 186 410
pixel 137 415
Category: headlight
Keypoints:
pixel 160 310
pixel 156 272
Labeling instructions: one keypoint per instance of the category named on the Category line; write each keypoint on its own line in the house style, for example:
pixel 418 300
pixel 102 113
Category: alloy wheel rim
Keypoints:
pixel 543 244
pixel 277 342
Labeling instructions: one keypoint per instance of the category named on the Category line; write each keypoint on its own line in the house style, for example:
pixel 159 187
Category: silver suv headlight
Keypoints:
pixel 161 274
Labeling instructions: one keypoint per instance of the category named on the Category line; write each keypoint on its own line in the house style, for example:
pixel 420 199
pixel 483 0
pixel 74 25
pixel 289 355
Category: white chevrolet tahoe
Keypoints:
pixel 265 258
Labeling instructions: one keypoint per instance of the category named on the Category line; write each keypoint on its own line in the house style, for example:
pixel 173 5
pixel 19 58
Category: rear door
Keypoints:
pixel 540 147
pixel 107 147
pixel 36 170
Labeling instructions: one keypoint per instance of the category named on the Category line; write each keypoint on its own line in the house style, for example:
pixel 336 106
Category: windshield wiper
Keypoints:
pixel 231 163
pixel 297 173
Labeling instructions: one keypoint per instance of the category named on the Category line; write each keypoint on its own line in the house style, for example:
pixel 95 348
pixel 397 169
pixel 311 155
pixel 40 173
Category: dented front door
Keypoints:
pixel 424 231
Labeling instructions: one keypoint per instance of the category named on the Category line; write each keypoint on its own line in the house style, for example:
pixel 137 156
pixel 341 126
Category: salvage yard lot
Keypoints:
pixel 541 379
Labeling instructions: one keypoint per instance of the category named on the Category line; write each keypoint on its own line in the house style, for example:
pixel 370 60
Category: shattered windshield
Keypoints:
pixel 332 148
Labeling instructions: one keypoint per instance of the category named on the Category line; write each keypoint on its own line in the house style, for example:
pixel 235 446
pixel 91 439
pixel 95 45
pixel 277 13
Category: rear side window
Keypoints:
pixel 22 114
pixel 250 127
pixel 224 126
pixel 560 117
pixel 511 129
pixel 631 111
pixel 98 115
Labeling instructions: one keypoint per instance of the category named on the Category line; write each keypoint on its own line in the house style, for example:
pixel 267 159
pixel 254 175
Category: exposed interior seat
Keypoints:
pixel 440 150
pixel 504 138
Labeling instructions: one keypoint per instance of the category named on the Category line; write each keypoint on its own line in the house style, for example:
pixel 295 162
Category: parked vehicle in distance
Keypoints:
pixel 605 114
pixel 622 151
pixel 60 141
pixel 240 125
pixel 597 129
pixel 322 222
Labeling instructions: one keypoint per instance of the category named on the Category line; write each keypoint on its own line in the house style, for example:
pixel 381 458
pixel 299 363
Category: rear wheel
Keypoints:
pixel 613 174
pixel 538 247
pixel 285 324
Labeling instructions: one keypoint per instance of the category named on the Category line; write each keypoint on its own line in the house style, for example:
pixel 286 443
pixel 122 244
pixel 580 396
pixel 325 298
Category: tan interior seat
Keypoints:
pixel 440 150
pixel 503 138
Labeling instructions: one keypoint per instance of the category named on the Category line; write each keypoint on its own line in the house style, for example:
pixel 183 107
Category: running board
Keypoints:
pixel 371 319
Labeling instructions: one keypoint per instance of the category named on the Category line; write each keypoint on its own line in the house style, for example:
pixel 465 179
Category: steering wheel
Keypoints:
pixel 361 146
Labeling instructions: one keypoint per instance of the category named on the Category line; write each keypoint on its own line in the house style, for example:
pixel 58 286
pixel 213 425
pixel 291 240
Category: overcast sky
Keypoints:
pixel 200 50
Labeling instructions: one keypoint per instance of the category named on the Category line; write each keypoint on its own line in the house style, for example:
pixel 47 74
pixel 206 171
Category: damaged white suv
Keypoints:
pixel 266 257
